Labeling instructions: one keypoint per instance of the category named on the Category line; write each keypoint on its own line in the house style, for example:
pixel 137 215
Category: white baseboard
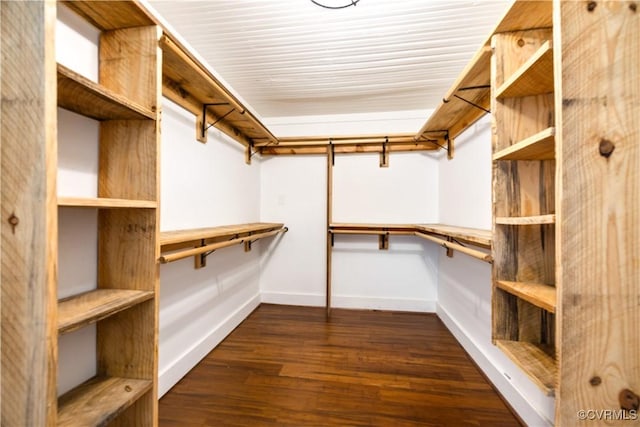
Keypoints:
pixel 524 409
pixel 390 304
pixel 357 302
pixel 190 358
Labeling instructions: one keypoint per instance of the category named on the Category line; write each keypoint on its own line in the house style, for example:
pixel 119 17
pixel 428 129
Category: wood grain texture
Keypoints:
pixel 195 236
pixel 535 362
pixel 538 294
pixel 526 14
pixel 99 401
pixel 286 366
pixel 78 94
pixel 28 196
pixel 599 213
pixel 81 310
pixel 523 196
pixel 540 146
pixel 534 77
pixel 105 203
pixel 103 15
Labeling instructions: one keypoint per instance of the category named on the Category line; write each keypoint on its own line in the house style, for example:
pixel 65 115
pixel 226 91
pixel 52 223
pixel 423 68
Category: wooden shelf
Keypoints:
pixel 534 361
pixel 474 236
pixel 104 203
pixel 538 294
pixel 100 400
pixel 198 242
pixel 540 146
pixel 534 77
pixel 453 115
pixel 83 96
pixel 527 220
pixel 102 14
pixel 189 84
pixel 81 310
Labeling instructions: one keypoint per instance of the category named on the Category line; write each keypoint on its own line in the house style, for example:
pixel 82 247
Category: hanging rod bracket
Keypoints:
pixel 201 122
pixel 384 155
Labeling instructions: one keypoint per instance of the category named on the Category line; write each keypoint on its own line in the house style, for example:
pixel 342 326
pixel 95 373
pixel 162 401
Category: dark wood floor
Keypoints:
pixel 290 366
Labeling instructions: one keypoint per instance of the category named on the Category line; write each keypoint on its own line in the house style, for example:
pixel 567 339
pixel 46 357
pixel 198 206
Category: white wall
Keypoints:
pixel 464 288
pixel 294 191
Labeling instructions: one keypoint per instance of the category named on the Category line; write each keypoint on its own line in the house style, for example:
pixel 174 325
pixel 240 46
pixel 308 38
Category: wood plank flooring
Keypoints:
pixel 290 366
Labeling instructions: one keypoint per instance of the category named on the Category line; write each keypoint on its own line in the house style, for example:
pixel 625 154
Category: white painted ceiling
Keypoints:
pixel 291 57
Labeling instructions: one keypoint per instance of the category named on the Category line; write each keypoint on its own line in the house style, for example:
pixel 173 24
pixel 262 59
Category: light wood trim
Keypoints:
pixel 100 400
pixel 90 307
pixel 536 363
pixel 195 235
pixel 452 111
pixel 474 236
pixel 28 201
pixel 275 150
pixel 83 96
pixel 540 146
pixel 525 15
pixel 308 141
pixel 104 203
pixel 214 246
pixel 450 245
pixel 102 14
pixel 534 77
pixel 330 150
pixel 373 232
pixel 527 220
pixel 538 294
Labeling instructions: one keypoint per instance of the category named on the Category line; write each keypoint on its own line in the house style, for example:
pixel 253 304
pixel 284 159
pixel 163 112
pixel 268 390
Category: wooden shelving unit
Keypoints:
pixel 524 307
pixel 126 102
pixel 561 200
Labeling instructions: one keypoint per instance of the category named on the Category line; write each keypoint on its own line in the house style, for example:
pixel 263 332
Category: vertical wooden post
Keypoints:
pixel 597 46
pixel 330 162
pixel 29 213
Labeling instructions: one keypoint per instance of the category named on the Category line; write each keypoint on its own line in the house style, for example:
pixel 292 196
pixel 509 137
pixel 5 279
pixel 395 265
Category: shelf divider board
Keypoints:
pixel 538 294
pixel 527 220
pixel 534 361
pixel 540 146
pixel 100 400
pixel 105 203
pixel 81 310
pixel 83 96
pixel 534 77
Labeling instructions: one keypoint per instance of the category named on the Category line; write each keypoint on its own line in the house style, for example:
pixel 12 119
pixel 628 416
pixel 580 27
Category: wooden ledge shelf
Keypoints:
pixel 447 236
pixel 541 146
pixel 534 361
pixel 90 99
pixel 104 203
pixel 534 77
pixel 200 242
pixel 188 83
pixel 538 294
pixel 90 307
pixel 100 400
pixel 457 111
pixel 527 220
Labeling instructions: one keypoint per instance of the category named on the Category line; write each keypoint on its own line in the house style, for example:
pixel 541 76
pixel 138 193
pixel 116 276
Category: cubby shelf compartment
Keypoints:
pixel 527 220
pixel 534 77
pixel 534 361
pixel 540 146
pixel 88 98
pixel 538 294
pixel 100 400
pixel 105 203
pixel 80 310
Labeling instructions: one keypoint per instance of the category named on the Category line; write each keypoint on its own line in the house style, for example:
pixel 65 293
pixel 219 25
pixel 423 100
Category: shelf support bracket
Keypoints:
pixel 200 260
pixel 201 121
pixel 383 241
pixel 449 250
pixel 384 156
pixel 450 146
